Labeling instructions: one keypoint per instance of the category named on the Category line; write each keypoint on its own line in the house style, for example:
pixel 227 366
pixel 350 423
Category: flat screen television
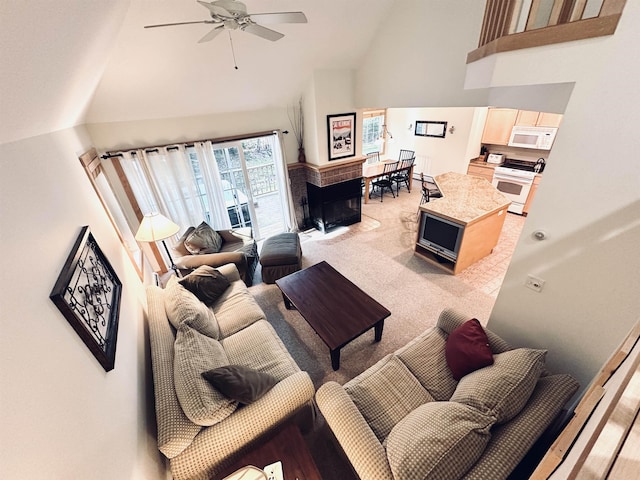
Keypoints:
pixel 440 235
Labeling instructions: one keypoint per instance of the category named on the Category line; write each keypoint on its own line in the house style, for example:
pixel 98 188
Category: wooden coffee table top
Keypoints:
pixel 336 309
pixel 287 446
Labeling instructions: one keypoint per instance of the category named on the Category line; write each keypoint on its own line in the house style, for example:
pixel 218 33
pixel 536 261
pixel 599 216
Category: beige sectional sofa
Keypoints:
pixel 406 417
pixel 200 430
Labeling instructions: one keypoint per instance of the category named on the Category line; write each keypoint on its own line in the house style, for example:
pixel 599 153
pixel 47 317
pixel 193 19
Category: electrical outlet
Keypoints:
pixel 534 283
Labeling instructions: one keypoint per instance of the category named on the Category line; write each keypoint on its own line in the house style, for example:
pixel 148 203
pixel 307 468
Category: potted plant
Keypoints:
pixel 297 125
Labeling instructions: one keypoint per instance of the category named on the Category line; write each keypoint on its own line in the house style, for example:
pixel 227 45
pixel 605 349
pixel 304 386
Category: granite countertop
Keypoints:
pixel 466 198
pixel 483 163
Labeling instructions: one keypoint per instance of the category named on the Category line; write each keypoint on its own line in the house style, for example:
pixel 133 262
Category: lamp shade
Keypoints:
pixel 155 227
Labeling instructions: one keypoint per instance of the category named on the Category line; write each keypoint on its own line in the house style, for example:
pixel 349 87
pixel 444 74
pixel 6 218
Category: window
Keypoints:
pixel 373 131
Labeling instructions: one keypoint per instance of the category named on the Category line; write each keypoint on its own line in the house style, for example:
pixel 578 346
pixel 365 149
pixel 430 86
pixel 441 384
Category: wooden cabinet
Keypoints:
pixel 483 171
pixel 532 193
pixel 549 119
pixel 527 118
pixel 497 128
pixel 530 118
pixel 500 121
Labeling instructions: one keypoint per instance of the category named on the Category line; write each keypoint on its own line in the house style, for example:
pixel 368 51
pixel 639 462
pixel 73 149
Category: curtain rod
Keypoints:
pixel 154 148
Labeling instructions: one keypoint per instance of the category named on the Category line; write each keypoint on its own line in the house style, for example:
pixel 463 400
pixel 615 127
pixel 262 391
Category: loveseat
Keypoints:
pixel 202 245
pixel 199 429
pixel 407 417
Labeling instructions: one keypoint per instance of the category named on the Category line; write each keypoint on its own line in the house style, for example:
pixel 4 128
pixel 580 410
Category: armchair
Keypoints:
pixel 237 246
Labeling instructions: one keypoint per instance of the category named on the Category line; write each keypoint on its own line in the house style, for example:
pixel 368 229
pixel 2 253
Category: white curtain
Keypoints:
pixel 171 177
pixel 284 184
pixel 213 185
pixel 134 169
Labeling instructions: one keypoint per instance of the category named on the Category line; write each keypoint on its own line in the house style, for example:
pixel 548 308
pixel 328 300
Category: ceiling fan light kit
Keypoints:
pixel 232 15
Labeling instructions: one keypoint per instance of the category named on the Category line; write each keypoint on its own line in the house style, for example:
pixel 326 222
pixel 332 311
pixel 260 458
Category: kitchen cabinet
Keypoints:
pixel 527 118
pixel 530 118
pixel 498 125
pixel 532 193
pixel 479 170
pixel 549 119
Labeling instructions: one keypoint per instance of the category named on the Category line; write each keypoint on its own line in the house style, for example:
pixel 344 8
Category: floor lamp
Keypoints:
pixel 156 227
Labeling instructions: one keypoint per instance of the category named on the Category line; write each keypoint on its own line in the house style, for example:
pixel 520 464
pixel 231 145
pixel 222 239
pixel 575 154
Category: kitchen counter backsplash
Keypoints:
pixel 528 154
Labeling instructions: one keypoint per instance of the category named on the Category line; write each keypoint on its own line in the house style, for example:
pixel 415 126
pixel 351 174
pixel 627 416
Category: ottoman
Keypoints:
pixel 280 256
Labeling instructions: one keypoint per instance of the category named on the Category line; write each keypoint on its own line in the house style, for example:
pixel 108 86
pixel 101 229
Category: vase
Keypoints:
pixel 302 158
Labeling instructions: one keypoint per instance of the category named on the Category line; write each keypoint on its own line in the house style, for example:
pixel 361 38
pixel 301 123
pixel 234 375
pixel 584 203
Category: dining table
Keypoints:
pixel 371 171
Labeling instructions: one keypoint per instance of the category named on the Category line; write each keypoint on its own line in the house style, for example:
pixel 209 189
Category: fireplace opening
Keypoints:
pixel 335 205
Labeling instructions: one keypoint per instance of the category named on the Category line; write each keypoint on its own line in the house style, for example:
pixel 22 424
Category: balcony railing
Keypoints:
pixel 516 24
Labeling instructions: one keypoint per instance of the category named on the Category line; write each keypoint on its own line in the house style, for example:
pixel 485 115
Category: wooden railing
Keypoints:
pixel 516 24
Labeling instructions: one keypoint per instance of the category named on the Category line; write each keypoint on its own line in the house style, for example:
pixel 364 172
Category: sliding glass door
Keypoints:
pixel 252 197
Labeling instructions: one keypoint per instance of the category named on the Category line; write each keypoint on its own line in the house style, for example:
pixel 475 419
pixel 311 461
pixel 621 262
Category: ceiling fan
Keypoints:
pixel 232 15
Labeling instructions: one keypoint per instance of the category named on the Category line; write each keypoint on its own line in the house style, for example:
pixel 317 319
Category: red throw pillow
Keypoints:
pixel 467 349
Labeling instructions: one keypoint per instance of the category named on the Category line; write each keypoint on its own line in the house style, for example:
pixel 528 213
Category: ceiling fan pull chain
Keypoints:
pixel 233 53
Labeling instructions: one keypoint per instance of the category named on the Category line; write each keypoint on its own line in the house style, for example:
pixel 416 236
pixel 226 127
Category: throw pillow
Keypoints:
pixel 203 239
pixel 467 349
pixel 206 283
pixel 182 305
pixel 195 353
pixel 385 394
pixel 424 357
pixel 179 247
pixel 504 388
pixel 438 440
pixel 240 383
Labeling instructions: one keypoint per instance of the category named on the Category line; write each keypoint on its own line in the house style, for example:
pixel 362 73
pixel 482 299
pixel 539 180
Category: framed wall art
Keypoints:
pixel 431 129
pixel 87 293
pixel 341 133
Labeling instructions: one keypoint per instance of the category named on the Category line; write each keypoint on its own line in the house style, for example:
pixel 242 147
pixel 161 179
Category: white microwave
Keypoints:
pixel 540 138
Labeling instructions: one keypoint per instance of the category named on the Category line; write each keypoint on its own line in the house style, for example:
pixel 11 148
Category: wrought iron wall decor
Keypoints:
pixel 87 293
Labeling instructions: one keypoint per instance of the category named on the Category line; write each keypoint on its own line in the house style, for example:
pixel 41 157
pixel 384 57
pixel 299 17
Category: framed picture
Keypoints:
pixel 341 132
pixel 431 129
pixel 87 293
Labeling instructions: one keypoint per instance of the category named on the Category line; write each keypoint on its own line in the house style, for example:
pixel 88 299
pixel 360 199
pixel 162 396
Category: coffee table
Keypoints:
pixel 286 445
pixel 335 308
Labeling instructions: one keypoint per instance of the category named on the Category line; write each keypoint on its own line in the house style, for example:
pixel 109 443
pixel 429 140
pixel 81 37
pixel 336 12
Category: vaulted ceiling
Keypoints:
pixel 70 62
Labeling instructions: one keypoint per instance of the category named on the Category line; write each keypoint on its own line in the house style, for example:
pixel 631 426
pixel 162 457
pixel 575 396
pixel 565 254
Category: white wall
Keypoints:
pixel 449 154
pixel 134 134
pixel 417 58
pixel 588 203
pixel 63 416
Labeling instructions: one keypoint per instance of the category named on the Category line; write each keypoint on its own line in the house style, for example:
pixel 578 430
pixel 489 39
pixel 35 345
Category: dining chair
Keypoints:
pixel 403 175
pixel 384 181
pixel 373 157
pixel 429 188
pixel 406 155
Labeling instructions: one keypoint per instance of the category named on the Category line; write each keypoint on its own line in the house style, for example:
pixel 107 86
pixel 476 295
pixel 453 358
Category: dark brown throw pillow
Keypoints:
pixel 206 283
pixel 467 349
pixel 240 383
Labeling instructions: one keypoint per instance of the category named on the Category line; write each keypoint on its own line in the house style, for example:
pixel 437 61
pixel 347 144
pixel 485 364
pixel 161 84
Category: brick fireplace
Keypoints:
pixel 333 192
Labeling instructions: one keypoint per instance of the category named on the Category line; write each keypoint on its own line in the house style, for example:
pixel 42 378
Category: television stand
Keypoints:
pixel 476 205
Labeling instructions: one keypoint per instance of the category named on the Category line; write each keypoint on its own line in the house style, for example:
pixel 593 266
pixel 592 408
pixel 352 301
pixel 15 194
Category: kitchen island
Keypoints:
pixel 471 214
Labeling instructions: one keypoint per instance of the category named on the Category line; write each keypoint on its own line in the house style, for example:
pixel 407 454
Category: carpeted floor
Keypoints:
pixel 377 255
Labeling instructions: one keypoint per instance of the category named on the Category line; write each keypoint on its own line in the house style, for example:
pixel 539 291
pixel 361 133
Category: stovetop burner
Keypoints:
pixel 519 164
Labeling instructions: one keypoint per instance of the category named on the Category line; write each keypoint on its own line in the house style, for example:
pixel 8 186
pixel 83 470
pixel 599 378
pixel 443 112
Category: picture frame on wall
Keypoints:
pixel 341 134
pixel 431 129
pixel 87 293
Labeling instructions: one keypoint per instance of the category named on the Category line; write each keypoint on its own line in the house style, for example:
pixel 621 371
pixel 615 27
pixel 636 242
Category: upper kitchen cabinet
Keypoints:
pixel 549 119
pixel 530 118
pixel 497 128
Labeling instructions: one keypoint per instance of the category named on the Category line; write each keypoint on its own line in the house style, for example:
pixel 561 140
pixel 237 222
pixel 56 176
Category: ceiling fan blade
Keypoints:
pixel 263 32
pixel 212 34
pixel 279 17
pixel 216 9
pixel 179 23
